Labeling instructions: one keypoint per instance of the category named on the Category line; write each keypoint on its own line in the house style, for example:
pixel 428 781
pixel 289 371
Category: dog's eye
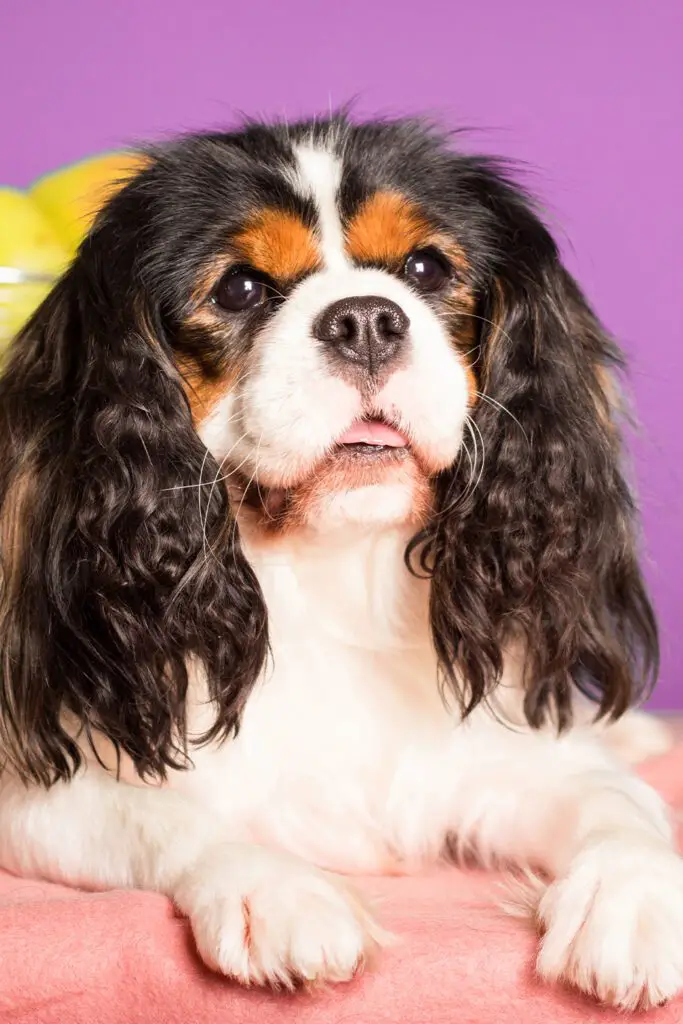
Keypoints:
pixel 240 290
pixel 426 269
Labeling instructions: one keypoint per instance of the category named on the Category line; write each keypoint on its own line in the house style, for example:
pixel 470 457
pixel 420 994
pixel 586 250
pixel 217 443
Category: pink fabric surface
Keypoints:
pixel 69 957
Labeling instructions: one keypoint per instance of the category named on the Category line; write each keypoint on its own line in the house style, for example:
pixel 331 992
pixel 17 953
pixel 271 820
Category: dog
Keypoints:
pixel 318 558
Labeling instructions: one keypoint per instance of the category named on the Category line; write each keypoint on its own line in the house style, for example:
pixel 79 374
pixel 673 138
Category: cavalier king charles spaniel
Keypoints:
pixel 318 559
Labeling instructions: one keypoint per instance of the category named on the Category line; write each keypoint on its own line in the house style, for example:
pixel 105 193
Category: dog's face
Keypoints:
pixel 320 287
pixel 302 327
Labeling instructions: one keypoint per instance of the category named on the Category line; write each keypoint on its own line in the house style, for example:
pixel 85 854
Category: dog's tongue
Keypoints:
pixel 373 432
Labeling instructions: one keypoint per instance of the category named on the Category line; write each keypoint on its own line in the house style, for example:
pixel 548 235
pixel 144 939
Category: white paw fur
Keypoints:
pixel 266 918
pixel 614 925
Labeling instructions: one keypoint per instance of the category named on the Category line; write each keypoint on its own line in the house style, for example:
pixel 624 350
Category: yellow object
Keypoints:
pixel 41 229
pixel 28 241
pixel 31 257
pixel 17 302
pixel 71 197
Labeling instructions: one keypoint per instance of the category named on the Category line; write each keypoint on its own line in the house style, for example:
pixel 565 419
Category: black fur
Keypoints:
pixel 114 573
pixel 542 550
pixel 116 570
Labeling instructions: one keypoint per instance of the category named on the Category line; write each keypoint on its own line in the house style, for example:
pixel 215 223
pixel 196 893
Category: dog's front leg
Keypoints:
pixel 259 916
pixel 612 913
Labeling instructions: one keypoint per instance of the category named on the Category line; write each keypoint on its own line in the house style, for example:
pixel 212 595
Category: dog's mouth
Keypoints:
pixel 372 438
pixel 368 450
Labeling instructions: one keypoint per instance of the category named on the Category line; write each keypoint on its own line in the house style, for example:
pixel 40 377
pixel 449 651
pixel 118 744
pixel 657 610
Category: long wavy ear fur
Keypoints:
pixel 116 576
pixel 541 555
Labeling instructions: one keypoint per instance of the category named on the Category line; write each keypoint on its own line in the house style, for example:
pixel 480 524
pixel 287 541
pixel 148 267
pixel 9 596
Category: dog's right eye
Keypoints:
pixel 240 290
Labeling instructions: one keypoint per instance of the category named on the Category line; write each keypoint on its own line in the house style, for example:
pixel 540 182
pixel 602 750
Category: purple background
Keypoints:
pixel 588 94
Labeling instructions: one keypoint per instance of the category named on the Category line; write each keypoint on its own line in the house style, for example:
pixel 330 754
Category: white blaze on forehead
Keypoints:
pixel 317 177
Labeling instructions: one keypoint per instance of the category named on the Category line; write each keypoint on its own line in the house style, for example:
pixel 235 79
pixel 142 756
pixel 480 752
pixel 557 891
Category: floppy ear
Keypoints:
pixel 117 570
pixel 542 551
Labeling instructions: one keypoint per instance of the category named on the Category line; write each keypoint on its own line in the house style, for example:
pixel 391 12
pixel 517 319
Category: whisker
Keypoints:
pixel 233 386
pixel 472 459
pixel 498 405
pixel 244 494
pixel 447 319
pixel 479 460
pixel 219 479
pixel 205 521
pixel 474 462
pixel 216 480
pixel 491 323
pixel 473 425
pixel 199 491
pixel 269 515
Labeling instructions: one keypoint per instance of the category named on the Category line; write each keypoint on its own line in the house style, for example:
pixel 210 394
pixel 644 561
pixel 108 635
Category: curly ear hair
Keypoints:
pixel 541 551
pixel 117 573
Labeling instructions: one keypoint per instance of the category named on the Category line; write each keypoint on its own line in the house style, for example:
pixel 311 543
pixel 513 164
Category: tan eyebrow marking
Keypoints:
pixel 278 243
pixel 385 229
pixel 389 226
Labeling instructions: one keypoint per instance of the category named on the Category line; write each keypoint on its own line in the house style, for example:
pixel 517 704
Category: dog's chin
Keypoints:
pixel 354 484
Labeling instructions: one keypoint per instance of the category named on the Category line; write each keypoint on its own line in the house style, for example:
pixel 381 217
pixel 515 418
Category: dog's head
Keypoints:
pixel 323 326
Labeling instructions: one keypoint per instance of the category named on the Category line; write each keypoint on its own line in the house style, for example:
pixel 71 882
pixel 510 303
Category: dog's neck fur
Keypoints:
pixel 351 584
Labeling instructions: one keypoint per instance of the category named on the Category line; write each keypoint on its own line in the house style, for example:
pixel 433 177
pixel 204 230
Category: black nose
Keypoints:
pixel 366 330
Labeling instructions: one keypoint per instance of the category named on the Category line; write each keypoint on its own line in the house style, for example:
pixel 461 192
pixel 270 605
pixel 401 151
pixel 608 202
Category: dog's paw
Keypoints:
pixel 265 918
pixel 614 925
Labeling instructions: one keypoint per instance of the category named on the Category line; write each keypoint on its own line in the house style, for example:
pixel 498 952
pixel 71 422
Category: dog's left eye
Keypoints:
pixel 427 269
pixel 240 290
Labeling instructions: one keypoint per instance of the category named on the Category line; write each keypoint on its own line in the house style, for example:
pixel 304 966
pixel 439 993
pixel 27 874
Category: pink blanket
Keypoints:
pixel 69 957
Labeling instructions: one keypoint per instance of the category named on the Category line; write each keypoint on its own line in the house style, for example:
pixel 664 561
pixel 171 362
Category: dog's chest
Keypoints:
pixel 345 723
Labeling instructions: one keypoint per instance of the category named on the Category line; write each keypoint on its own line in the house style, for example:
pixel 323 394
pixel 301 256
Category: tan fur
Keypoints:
pixel 386 228
pixel 279 244
pixel 203 393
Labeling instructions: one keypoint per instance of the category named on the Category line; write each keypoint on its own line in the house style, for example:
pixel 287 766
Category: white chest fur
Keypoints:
pixel 348 714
